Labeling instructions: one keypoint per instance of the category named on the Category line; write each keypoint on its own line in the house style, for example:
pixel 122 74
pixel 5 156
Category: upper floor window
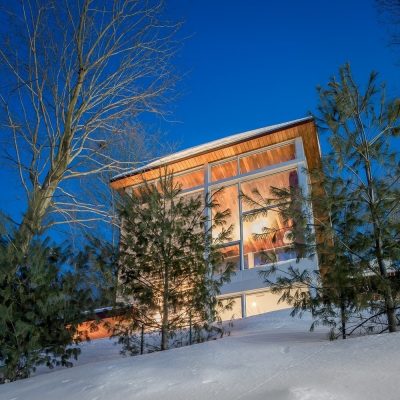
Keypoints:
pixel 191 179
pixel 224 170
pixel 260 190
pixel 227 198
pixel 266 158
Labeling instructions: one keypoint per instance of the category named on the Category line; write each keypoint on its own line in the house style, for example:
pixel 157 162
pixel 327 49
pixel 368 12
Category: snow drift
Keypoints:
pixel 270 356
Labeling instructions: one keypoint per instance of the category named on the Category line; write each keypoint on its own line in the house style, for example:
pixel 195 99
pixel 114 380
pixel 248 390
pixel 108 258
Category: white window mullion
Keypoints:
pixel 207 195
pixel 241 248
pixel 244 311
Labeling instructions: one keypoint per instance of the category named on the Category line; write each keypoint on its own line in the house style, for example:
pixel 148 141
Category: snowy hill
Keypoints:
pixel 266 357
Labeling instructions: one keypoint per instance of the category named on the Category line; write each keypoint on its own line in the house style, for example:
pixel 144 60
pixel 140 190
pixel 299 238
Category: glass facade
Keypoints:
pixel 242 184
pixel 227 198
pixel 256 239
pixel 263 238
pixel 224 170
pixel 231 255
pixel 267 157
pixel 235 308
pixel 262 302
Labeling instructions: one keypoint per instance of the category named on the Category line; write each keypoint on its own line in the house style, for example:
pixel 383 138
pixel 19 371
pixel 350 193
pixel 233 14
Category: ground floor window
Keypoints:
pixel 263 302
pixel 235 311
pixel 254 303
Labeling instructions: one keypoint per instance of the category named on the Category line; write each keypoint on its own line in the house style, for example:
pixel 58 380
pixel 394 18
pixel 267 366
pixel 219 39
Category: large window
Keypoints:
pixel 190 179
pixel 265 240
pixel 266 236
pixel 262 302
pixel 227 198
pixel 234 310
pixel 266 158
pixel 260 189
pixel 224 170
pixel 231 254
pixel 256 239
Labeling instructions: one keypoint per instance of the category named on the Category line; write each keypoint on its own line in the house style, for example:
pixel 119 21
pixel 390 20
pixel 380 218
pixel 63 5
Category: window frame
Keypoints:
pixel 299 164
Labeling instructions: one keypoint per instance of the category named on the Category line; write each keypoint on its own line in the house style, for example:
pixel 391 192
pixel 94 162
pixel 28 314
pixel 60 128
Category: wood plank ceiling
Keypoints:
pixel 306 130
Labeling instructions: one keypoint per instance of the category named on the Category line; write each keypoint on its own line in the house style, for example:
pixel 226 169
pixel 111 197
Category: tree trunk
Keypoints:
pixel 387 290
pixel 42 196
pixel 31 224
pixel 343 318
pixel 164 330
pixel 165 316
pixel 190 329
pixel 142 340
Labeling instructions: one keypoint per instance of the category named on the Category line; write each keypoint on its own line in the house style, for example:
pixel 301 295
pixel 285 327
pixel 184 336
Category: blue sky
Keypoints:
pixel 247 64
pixel 256 63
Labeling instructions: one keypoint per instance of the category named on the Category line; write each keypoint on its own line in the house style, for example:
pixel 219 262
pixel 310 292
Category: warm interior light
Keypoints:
pixel 258 225
pixel 254 304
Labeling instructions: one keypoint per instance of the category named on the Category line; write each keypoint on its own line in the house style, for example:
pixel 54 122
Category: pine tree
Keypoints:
pixel 41 306
pixel 169 261
pixel 349 216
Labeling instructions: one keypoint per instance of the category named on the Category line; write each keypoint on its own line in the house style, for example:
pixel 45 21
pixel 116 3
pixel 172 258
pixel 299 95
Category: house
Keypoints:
pixel 275 156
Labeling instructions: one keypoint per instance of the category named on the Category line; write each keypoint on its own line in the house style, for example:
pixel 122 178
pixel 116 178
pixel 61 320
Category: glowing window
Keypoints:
pixel 224 170
pixel 234 311
pixel 190 180
pixel 266 239
pixel 266 158
pixel 262 302
pixel 227 198
pixel 266 236
pixel 259 190
pixel 231 255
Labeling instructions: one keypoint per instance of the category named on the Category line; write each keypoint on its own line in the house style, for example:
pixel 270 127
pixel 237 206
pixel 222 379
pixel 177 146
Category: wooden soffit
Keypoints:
pixel 306 130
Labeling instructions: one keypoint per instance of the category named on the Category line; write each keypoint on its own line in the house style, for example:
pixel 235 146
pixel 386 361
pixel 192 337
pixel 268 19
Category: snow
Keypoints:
pixel 266 357
pixel 210 146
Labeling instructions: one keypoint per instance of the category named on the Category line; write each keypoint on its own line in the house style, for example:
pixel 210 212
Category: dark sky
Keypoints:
pixel 253 63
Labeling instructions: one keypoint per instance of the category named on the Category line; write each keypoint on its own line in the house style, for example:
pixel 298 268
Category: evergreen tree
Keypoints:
pixel 348 217
pixel 98 261
pixel 169 261
pixel 41 306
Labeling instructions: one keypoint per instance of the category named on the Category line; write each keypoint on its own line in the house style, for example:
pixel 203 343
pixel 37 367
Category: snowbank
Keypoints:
pixel 266 357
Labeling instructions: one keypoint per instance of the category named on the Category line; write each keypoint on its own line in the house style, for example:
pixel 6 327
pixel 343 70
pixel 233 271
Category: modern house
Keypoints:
pixel 274 156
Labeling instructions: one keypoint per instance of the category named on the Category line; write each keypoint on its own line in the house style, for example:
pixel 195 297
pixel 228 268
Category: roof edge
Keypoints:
pixel 214 145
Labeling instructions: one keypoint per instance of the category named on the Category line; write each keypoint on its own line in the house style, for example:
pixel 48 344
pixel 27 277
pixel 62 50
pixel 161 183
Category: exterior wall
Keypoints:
pixel 249 280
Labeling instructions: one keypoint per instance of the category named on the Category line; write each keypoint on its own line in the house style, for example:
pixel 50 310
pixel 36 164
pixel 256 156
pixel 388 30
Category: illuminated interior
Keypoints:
pixel 231 256
pixel 191 179
pixel 244 248
pixel 235 311
pixel 224 170
pixel 227 198
pixel 266 158
pixel 273 245
pixel 262 302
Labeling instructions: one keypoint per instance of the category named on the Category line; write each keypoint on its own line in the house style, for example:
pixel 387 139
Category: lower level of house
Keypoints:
pixel 249 295
pixel 248 304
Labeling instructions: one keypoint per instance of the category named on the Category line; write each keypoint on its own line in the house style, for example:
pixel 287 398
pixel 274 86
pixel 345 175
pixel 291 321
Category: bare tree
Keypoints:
pixel 77 75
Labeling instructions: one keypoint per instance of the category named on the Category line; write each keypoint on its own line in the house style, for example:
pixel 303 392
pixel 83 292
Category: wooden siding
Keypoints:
pixel 306 130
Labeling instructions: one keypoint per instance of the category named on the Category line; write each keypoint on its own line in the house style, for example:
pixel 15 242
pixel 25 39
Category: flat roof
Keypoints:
pixel 225 141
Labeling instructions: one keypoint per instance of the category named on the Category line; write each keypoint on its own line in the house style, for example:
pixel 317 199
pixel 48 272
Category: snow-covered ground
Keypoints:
pixel 268 357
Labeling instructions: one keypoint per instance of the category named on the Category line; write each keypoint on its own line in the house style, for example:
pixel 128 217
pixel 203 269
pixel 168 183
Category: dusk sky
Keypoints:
pixel 256 63
pixel 248 64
